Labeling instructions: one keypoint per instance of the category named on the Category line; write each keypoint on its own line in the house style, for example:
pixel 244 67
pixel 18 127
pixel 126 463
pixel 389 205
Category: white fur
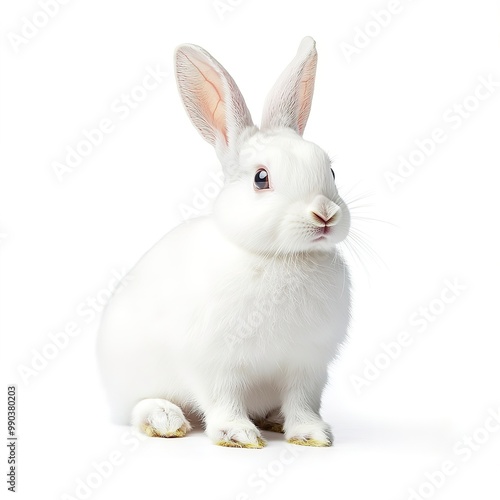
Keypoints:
pixel 237 315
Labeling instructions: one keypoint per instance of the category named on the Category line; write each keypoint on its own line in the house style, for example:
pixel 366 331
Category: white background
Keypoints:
pixel 61 241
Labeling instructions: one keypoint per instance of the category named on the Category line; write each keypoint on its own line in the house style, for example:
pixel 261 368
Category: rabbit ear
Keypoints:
pixel 211 97
pixel 289 102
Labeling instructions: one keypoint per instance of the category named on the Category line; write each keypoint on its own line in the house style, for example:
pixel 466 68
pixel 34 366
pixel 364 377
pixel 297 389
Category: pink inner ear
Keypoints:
pixel 305 92
pixel 208 91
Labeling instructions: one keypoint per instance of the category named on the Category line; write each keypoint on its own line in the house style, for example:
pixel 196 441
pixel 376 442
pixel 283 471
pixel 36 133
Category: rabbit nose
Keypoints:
pixel 325 211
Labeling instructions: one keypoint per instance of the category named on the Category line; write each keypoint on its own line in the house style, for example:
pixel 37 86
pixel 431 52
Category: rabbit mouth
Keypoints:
pixel 322 233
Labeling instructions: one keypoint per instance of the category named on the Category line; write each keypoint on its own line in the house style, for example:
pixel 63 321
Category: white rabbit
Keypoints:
pixel 236 316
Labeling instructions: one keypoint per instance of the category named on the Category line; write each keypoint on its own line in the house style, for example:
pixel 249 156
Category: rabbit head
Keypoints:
pixel 279 194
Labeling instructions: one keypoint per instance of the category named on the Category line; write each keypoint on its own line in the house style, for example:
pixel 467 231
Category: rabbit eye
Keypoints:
pixel 333 173
pixel 261 179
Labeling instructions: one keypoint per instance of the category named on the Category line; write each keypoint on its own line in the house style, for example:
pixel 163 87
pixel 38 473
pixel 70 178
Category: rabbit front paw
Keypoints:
pixel 317 434
pixel 236 434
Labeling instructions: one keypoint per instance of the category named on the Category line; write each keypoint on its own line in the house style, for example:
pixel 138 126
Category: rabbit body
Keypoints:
pixel 237 315
pixel 181 316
